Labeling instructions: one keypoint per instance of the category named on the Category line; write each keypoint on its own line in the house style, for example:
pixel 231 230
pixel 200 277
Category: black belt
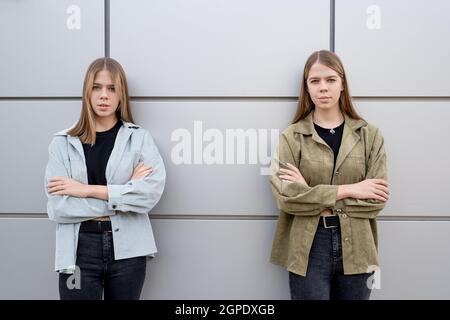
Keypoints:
pixel 95 226
pixel 329 222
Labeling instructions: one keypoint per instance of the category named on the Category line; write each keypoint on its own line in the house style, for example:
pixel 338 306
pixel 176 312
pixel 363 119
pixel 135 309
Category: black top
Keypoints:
pixel 332 137
pixel 97 156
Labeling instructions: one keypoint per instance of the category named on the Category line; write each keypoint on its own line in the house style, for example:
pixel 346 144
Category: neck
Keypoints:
pixel 104 124
pixel 328 118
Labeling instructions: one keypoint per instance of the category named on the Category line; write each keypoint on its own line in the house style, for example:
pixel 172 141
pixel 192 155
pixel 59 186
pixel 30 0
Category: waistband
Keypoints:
pixel 95 226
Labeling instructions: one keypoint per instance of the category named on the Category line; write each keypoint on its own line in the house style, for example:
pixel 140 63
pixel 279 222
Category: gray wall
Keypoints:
pixel 203 70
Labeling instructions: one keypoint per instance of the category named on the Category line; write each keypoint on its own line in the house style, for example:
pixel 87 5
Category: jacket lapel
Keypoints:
pixel 76 143
pixel 349 140
pixel 117 152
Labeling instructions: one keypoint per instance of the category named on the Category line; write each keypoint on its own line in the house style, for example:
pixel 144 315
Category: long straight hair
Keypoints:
pixel 305 103
pixel 85 127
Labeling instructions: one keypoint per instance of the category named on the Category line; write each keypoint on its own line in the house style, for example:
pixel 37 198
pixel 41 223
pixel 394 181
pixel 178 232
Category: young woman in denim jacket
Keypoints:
pixel 329 182
pixel 103 177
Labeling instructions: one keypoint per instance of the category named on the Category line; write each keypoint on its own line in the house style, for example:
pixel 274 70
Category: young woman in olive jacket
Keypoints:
pixel 329 181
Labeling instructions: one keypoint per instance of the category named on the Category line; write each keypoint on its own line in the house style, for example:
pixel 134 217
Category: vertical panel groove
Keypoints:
pixel 332 24
pixel 107 28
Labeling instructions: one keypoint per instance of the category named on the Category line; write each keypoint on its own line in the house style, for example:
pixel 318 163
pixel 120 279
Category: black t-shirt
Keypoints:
pixel 97 156
pixel 332 137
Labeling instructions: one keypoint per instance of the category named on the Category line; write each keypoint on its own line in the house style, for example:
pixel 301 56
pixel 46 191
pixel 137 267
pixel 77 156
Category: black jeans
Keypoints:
pixel 325 279
pixel 98 273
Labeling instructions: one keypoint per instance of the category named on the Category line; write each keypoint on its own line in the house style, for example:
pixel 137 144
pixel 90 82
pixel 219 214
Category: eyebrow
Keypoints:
pixel 99 84
pixel 328 77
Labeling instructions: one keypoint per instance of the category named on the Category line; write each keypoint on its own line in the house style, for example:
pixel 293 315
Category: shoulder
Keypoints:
pixel 290 131
pixel 58 144
pixel 371 131
pixel 138 132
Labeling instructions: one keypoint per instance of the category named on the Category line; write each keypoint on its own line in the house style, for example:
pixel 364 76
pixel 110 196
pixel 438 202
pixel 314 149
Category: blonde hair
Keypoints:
pixel 85 127
pixel 305 103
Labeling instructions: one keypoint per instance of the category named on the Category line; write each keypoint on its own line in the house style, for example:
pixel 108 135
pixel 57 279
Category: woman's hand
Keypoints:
pixel 292 174
pixel 63 186
pixel 141 171
pixel 376 189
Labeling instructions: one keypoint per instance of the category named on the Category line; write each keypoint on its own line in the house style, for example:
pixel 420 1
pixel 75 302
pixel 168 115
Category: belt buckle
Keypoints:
pixel 325 223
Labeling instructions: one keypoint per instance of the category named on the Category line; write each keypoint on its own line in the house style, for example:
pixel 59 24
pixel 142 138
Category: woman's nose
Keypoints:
pixel 103 94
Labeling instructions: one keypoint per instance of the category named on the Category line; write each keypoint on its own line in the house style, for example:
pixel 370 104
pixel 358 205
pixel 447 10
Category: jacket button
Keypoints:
pixel 116 230
pixel 337 173
pixel 344 215
pixel 338 210
pixel 114 206
pixel 346 239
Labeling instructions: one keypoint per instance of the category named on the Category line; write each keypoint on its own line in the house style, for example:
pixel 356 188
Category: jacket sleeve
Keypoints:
pixel 376 169
pixel 140 196
pixel 68 209
pixel 297 198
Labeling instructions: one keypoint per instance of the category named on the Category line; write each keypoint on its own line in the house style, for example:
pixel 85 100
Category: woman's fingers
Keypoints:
pixel 56 185
pixel 289 172
pixel 294 168
pixel 381 182
pixel 382 194
pixel 286 177
pixel 56 189
pixel 383 188
pixel 380 198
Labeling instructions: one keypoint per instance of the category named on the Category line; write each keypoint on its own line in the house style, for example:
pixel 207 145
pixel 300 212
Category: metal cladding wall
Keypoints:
pixel 215 82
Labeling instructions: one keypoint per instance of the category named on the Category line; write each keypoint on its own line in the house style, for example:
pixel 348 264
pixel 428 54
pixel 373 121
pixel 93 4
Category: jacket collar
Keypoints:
pixel 127 125
pixel 306 125
pixel 349 136
pixel 123 135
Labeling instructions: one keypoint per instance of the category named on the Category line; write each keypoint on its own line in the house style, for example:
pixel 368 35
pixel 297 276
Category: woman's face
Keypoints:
pixel 324 87
pixel 104 99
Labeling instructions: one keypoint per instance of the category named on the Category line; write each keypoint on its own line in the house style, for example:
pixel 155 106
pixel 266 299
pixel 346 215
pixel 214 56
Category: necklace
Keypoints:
pixel 332 131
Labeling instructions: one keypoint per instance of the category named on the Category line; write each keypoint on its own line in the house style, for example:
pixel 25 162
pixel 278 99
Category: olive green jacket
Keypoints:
pixel 361 156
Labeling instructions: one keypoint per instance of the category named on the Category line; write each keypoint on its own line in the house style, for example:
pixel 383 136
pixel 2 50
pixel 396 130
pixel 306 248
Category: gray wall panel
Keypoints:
pixel 404 57
pixel 418 162
pixel 203 188
pixel 414 260
pixel 27 253
pixel 42 54
pixel 26 135
pixel 213 259
pixel 216 48
pixel 226 259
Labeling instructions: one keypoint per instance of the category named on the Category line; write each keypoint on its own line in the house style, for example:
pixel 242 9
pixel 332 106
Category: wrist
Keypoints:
pixel 344 191
pixel 98 191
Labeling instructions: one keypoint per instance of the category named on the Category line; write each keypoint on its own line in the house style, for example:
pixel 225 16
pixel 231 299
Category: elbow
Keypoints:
pixel 152 200
pixel 56 215
pixel 298 209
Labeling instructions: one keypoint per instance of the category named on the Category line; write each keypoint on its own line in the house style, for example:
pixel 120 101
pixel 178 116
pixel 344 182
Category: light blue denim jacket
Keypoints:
pixel 129 201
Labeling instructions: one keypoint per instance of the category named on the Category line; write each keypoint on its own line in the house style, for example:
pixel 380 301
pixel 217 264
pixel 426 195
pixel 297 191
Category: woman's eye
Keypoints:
pixel 95 88
pixel 111 89
pixel 314 81
pixel 331 80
